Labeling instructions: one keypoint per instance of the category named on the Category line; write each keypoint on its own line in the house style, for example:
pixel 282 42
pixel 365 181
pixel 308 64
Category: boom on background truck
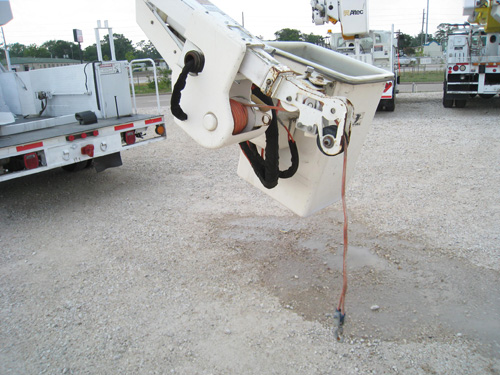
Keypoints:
pixel 71 117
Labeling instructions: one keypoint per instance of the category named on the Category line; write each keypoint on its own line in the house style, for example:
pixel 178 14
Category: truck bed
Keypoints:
pixel 62 130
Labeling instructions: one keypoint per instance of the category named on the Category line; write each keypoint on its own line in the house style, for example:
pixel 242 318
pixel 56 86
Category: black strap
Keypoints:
pixel 175 100
pixel 267 170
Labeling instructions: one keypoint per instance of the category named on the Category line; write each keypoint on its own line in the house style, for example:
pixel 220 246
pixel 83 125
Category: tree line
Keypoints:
pixel 406 43
pixel 126 50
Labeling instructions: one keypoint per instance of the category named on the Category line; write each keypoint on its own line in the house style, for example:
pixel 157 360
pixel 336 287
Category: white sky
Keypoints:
pixel 36 21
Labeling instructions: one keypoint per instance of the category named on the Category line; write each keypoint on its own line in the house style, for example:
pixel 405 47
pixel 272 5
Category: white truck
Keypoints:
pixel 71 117
pixel 473 55
pixel 377 48
pixel 374 47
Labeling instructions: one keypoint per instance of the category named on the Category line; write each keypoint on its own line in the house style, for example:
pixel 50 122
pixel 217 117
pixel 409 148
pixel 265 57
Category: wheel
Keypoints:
pixel 447 103
pixel 460 103
pixel 390 104
pixel 75 167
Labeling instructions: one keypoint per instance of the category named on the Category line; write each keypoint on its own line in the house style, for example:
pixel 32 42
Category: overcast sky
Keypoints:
pixel 36 21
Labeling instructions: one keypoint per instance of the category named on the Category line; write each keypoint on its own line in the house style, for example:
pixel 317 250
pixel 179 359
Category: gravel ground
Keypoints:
pixel 171 264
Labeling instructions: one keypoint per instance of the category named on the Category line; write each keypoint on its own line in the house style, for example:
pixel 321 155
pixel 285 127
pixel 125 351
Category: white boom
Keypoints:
pixel 224 75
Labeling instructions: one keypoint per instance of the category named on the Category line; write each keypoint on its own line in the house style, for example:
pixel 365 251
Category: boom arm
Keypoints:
pixel 352 15
pixel 485 13
pixel 231 61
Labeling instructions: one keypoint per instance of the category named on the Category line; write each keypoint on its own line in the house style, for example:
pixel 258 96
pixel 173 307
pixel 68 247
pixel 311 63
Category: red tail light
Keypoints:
pixel 130 137
pixel 88 150
pixel 31 160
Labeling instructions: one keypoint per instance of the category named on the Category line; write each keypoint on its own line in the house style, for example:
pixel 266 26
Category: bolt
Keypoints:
pixel 269 81
pixel 288 98
pixel 328 141
pixel 266 119
pixel 333 111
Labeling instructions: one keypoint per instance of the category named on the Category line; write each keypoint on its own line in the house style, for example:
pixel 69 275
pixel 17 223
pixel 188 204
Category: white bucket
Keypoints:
pixel 318 180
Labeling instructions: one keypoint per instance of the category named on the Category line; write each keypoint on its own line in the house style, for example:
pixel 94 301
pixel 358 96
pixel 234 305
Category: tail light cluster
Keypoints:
pixel 74 137
pixel 456 68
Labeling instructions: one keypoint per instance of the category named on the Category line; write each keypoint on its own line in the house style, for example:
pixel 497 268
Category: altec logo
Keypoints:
pixel 353 12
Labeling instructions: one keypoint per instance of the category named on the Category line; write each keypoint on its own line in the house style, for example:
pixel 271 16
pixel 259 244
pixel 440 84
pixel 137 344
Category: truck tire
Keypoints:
pixel 447 103
pixel 390 104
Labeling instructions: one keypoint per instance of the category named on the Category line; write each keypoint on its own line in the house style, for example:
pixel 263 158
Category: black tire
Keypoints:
pixel 447 103
pixel 390 105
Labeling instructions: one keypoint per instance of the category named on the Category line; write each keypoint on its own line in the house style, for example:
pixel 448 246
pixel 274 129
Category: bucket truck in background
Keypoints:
pixel 294 108
pixel 473 55
pixel 375 47
pixel 71 117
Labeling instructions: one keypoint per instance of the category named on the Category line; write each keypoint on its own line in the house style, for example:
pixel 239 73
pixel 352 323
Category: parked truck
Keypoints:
pixel 473 55
pixel 378 48
pixel 71 117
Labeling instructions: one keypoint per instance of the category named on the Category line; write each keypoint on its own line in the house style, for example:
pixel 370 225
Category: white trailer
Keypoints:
pixel 71 117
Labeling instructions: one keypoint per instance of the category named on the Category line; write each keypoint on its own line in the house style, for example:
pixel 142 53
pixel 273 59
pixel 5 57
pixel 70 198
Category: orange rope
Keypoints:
pixel 341 307
pixel 240 116
pixel 263 106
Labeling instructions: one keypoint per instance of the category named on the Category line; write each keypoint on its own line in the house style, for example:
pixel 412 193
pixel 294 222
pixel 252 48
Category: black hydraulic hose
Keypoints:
pixel 267 170
pixel 96 87
pixel 175 100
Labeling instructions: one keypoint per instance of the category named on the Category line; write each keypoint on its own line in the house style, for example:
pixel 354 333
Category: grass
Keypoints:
pixel 144 88
pixel 408 75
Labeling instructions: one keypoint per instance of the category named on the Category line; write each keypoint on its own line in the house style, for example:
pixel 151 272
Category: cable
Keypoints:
pixel 339 315
pixel 240 116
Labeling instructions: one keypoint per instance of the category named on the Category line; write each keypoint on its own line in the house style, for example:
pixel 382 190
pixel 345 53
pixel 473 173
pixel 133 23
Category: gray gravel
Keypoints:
pixel 171 264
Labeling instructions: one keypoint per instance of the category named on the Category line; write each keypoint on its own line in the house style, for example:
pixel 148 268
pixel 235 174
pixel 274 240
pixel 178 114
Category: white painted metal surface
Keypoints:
pixel 316 87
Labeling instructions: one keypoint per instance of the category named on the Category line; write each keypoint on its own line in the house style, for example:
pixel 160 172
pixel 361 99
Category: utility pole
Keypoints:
pixel 427 23
pixel 422 33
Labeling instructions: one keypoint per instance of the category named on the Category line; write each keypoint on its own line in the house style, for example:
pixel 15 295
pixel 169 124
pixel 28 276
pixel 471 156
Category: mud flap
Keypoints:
pixel 108 161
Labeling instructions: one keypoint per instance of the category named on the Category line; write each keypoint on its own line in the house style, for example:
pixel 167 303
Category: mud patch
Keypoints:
pixel 300 262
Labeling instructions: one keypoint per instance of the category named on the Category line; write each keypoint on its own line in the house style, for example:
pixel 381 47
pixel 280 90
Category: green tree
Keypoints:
pixel 34 51
pixel 146 50
pixel 90 53
pixel 16 50
pixel 62 49
pixel 288 35
pixel 123 49
pixel 122 46
pixel 314 39
pixel 442 32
